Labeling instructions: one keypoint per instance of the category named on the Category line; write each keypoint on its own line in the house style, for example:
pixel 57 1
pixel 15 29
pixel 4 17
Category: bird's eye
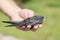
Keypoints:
pixel 42 17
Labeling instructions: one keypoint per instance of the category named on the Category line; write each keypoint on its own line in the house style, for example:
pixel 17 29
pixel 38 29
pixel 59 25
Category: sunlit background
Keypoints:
pixel 51 25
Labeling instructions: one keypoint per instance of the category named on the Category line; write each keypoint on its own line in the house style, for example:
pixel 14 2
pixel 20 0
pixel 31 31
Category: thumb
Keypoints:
pixel 26 13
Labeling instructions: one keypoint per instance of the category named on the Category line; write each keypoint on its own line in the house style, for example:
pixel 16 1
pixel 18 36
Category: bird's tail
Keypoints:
pixel 9 23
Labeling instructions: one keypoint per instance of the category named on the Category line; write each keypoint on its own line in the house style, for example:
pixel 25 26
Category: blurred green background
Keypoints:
pixel 51 26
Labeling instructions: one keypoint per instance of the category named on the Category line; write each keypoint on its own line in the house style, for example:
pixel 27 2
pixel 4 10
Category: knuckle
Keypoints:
pixel 28 10
pixel 28 26
pixel 35 27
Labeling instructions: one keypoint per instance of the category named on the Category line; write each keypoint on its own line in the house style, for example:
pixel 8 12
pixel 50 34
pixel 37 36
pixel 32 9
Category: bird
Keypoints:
pixel 29 21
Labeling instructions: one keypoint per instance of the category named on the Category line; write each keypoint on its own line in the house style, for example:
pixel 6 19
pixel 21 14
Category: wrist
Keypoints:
pixel 13 9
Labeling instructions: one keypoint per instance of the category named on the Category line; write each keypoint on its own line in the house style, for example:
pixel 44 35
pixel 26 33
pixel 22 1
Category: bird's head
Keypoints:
pixel 41 17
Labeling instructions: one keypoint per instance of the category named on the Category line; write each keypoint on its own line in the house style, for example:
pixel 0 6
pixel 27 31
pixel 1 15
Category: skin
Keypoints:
pixel 15 13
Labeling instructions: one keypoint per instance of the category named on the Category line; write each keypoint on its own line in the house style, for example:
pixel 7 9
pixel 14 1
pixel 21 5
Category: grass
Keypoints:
pixel 51 26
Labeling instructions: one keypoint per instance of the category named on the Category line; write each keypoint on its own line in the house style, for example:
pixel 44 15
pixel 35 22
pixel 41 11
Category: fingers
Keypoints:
pixel 40 25
pixel 29 27
pixel 36 27
pixel 21 28
pixel 24 28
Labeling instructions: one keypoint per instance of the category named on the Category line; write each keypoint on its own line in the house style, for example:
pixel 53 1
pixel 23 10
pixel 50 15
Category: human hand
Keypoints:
pixel 17 14
pixel 24 14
